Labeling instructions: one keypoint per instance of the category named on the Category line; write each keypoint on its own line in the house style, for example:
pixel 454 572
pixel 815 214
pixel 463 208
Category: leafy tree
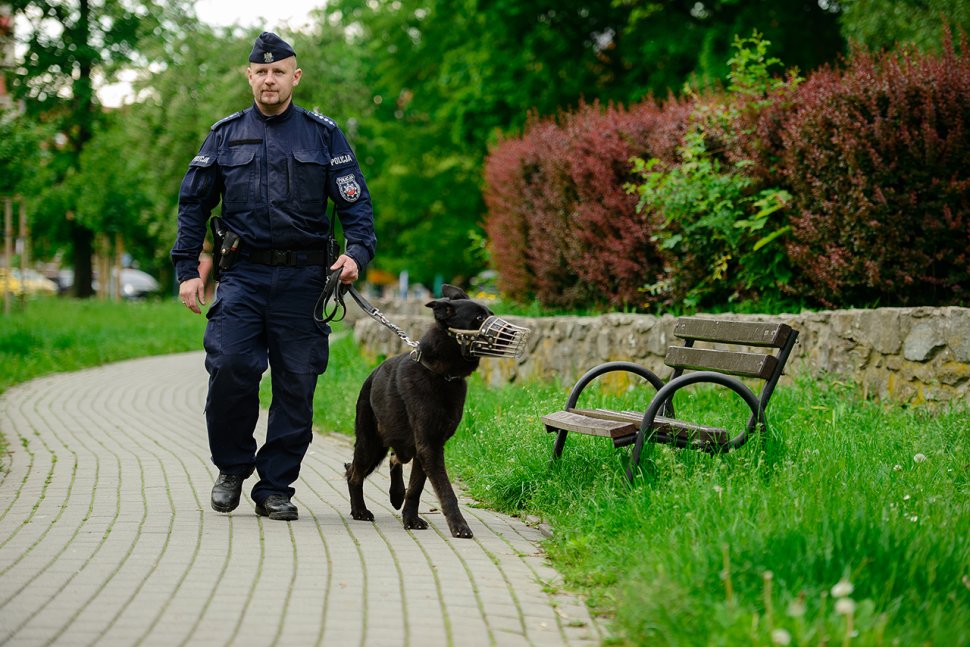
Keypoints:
pixel 445 77
pixel 664 43
pixel 19 152
pixel 882 24
pixel 69 45
pixel 448 77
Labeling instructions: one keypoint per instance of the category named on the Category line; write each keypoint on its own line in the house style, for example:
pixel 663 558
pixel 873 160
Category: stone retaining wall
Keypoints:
pixel 913 355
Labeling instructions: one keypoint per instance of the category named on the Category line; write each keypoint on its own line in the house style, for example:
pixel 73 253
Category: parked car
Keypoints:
pixel 32 282
pixel 135 284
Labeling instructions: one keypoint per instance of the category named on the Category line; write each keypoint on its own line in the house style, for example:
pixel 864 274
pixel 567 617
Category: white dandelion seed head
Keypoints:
pixel 845 606
pixel 919 458
pixel 796 609
pixel 780 637
pixel 843 589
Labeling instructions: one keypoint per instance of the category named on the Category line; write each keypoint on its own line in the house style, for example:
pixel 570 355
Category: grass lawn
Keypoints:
pixel 53 335
pixel 849 524
pixel 748 547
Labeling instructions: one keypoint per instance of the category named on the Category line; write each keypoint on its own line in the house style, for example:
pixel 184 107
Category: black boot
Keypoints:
pixel 226 491
pixel 278 507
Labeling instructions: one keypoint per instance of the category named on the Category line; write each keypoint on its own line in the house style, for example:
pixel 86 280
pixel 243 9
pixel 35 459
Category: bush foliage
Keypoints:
pixel 846 189
pixel 878 159
pixel 562 227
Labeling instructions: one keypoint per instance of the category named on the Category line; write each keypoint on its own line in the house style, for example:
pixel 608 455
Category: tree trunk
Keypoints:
pixel 81 259
pixel 81 236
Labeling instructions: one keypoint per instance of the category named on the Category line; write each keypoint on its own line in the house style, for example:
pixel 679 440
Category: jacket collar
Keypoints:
pixel 283 116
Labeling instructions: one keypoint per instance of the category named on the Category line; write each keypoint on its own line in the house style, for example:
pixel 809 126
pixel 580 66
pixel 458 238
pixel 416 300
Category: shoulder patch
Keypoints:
pixel 323 119
pixel 235 115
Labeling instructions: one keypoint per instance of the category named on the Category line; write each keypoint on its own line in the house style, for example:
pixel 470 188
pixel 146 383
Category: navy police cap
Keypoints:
pixel 270 48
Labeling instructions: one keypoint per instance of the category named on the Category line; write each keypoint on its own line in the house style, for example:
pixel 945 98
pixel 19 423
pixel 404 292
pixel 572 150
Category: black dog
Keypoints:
pixel 413 406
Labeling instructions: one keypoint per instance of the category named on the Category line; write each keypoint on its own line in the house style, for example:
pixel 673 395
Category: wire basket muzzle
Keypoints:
pixel 496 338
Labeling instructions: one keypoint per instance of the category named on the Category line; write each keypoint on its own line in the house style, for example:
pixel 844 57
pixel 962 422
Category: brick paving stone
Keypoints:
pixel 107 538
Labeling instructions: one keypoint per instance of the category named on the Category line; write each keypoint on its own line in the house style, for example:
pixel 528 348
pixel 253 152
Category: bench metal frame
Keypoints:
pixel 658 424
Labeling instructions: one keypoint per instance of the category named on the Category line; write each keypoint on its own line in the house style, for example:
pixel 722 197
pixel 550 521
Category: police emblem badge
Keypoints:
pixel 349 188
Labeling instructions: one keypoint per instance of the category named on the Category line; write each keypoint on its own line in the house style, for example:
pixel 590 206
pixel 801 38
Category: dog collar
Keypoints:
pixel 417 356
pixel 447 378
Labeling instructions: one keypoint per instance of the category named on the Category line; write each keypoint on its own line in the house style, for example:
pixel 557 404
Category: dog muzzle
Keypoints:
pixel 496 338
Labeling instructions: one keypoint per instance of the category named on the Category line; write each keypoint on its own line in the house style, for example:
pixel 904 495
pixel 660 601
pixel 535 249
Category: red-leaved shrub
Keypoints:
pixel 877 157
pixel 561 226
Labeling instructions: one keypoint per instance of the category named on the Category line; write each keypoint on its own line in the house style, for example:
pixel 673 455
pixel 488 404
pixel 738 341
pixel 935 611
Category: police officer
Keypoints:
pixel 273 166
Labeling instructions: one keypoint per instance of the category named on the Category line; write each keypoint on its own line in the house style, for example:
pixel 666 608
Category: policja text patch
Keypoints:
pixel 349 188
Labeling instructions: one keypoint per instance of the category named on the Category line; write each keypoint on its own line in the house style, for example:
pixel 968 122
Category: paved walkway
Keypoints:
pixel 107 538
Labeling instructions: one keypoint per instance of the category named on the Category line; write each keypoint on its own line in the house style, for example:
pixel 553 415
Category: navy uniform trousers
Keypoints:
pixel 263 315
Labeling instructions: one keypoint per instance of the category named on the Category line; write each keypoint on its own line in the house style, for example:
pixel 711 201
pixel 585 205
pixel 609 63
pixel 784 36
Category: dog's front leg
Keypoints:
pixel 434 465
pixel 413 497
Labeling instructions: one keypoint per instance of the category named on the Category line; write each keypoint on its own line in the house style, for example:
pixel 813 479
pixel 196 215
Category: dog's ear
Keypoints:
pixel 442 308
pixel 451 292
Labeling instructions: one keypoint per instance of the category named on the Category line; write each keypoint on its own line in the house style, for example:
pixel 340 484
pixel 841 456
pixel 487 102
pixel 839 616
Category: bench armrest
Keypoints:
pixel 667 392
pixel 610 367
pixel 592 374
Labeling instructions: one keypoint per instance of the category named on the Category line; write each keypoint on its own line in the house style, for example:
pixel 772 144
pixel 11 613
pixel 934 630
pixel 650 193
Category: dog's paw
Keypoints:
pixel 362 515
pixel 415 523
pixel 462 531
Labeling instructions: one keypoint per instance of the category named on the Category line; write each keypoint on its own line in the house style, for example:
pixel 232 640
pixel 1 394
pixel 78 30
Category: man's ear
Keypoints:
pixel 297 75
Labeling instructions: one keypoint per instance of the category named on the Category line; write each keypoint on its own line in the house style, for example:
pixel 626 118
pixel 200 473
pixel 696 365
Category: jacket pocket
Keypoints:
pixel 309 175
pixel 239 174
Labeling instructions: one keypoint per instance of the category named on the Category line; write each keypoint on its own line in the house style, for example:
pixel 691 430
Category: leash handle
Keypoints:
pixel 333 291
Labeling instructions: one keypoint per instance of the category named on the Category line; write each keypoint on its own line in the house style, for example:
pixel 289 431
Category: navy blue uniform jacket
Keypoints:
pixel 274 176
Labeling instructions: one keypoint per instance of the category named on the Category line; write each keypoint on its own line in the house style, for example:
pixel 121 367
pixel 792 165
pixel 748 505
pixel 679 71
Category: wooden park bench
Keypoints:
pixel 691 365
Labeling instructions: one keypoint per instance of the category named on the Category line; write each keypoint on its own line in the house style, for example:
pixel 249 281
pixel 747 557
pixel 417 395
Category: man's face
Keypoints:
pixel 272 84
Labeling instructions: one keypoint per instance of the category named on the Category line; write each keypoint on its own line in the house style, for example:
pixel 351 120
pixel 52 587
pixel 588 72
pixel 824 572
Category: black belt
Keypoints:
pixel 294 257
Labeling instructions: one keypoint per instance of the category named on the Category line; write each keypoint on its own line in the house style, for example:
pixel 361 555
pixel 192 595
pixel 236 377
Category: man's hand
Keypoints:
pixel 192 294
pixel 349 272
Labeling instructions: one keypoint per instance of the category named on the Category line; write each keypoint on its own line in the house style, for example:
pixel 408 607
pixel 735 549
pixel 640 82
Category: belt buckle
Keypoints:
pixel 280 257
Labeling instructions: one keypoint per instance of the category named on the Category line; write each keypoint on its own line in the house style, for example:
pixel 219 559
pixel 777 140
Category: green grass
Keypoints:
pixel 52 335
pixel 727 549
pixel 703 549
pixel 742 548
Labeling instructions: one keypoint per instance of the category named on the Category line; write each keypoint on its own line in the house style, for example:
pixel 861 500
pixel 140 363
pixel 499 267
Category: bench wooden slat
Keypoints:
pixel 586 425
pixel 621 425
pixel 722 361
pixel 748 333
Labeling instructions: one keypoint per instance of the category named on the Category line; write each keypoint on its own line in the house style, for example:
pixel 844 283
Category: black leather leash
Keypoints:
pixel 331 302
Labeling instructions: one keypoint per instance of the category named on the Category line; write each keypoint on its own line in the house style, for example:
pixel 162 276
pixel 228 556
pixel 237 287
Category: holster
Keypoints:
pixel 225 246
